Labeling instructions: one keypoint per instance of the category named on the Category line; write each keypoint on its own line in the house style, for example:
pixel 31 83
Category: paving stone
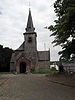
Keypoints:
pixel 35 87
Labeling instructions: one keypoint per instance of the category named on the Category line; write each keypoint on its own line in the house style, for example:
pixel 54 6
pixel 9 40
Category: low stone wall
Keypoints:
pixel 69 66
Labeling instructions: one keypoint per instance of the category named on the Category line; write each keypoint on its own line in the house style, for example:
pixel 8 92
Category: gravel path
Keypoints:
pixel 34 87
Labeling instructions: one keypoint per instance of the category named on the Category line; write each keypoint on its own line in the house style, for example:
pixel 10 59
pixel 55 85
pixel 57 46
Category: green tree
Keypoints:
pixel 5 56
pixel 64 28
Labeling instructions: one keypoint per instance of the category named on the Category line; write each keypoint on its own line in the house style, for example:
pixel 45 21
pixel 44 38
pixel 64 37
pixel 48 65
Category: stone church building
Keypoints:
pixel 27 58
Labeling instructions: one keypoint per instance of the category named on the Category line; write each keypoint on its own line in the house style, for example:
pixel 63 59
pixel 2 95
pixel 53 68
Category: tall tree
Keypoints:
pixel 5 56
pixel 64 28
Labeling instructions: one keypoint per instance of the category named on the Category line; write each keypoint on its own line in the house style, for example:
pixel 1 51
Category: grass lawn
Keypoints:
pixel 44 71
pixel 5 73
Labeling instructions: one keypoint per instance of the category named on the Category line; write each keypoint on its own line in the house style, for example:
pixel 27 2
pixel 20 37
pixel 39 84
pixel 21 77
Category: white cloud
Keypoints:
pixel 13 20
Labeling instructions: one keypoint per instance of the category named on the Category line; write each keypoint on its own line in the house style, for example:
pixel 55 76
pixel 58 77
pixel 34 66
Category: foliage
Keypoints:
pixel 53 69
pixel 64 28
pixel 5 56
pixel 42 71
pixel 61 68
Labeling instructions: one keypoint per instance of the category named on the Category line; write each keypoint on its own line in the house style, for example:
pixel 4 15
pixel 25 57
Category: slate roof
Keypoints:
pixel 30 28
pixel 21 47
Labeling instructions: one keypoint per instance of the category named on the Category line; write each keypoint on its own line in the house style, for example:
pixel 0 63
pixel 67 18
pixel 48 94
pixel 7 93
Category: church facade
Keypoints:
pixel 27 58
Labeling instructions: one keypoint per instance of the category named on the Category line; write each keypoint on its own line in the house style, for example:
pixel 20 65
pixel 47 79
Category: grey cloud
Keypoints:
pixel 0 13
pixel 14 19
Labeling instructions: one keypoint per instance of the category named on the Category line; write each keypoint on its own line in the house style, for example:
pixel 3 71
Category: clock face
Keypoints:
pixel 30 39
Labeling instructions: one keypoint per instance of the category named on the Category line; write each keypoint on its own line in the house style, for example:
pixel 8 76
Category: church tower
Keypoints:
pixel 30 38
pixel 27 58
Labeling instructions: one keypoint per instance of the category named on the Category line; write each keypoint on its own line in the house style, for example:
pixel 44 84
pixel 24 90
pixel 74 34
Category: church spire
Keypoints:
pixel 30 27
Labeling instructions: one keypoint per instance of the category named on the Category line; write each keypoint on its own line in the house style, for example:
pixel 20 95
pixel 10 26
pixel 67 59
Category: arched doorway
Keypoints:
pixel 22 67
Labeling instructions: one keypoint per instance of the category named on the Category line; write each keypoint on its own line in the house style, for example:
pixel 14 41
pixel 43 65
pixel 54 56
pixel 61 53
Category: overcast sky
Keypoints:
pixel 13 20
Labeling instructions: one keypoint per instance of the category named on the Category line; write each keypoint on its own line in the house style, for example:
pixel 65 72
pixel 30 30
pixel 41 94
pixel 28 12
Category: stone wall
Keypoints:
pixel 43 64
pixel 30 48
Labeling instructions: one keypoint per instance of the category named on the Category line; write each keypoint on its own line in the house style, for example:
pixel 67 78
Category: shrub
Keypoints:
pixel 53 69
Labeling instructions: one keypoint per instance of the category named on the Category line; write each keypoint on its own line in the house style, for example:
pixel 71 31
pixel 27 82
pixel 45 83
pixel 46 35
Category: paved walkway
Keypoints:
pixel 3 79
pixel 34 87
pixel 67 80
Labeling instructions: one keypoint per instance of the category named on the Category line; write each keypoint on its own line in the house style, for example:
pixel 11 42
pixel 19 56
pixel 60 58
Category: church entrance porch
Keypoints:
pixel 22 67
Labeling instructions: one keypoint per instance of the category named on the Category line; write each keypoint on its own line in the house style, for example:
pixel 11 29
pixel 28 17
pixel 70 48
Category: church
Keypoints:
pixel 27 58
